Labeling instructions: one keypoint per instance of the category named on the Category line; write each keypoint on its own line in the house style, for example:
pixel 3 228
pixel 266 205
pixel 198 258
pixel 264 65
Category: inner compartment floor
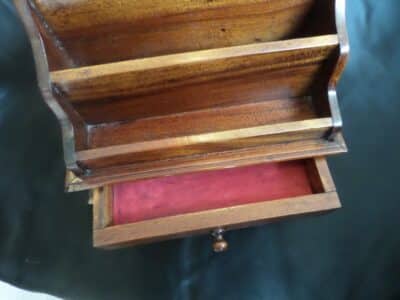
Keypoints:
pixel 166 196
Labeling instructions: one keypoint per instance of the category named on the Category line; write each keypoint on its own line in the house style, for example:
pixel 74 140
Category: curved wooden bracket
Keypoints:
pixel 340 10
pixel 42 70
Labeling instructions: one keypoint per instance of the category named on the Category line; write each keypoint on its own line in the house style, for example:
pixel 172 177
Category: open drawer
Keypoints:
pixel 162 208
pixel 198 116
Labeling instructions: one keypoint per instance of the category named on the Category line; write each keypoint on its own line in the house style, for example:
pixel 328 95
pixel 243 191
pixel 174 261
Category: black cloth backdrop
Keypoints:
pixel 353 253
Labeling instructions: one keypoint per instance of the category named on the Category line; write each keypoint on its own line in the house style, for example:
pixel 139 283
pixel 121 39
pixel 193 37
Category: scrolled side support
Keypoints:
pixel 340 18
pixel 42 71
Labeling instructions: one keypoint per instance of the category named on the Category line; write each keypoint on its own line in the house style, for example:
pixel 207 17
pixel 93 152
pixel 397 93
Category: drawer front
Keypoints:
pixel 157 209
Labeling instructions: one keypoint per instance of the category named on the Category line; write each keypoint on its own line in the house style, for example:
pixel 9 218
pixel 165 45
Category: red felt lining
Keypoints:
pixel 166 196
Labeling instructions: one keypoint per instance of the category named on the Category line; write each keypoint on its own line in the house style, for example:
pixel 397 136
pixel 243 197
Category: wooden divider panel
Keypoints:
pixel 100 31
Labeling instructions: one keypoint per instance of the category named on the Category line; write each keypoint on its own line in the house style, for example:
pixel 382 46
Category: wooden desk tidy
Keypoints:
pixel 185 117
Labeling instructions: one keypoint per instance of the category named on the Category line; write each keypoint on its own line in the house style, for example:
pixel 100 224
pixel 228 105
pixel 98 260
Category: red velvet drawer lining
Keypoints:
pixel 154 198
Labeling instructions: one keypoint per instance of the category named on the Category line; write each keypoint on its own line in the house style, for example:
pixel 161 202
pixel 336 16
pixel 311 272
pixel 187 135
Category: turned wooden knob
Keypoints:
pixel 219 243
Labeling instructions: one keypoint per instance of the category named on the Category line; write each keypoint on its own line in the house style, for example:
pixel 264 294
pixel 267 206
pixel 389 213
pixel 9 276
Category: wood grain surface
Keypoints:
pixel 141 85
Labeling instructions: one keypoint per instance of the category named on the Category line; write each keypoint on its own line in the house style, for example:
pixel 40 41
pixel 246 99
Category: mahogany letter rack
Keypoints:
pixel 187 117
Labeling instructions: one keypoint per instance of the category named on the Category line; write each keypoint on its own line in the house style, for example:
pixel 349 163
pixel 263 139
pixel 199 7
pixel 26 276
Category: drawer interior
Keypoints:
pixel 159 208
pixel 161 197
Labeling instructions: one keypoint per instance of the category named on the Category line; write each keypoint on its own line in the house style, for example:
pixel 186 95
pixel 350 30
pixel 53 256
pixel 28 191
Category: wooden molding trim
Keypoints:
pixel 344 46
pixel 203 222
pixel 63 114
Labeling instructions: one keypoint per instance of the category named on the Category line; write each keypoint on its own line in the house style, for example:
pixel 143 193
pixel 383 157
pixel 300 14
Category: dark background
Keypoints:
pixel 353 253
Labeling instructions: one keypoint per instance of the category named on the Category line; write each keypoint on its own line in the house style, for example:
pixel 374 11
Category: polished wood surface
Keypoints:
pixel 141 87
pixel 302 148
pixel 102 197
pixel 137 76
pixel 204 222
pixel 214 139
pixel 283 84
pixel 100 31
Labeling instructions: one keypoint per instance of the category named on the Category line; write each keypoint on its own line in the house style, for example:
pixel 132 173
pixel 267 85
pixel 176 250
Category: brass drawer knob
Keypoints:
pixel 219 243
